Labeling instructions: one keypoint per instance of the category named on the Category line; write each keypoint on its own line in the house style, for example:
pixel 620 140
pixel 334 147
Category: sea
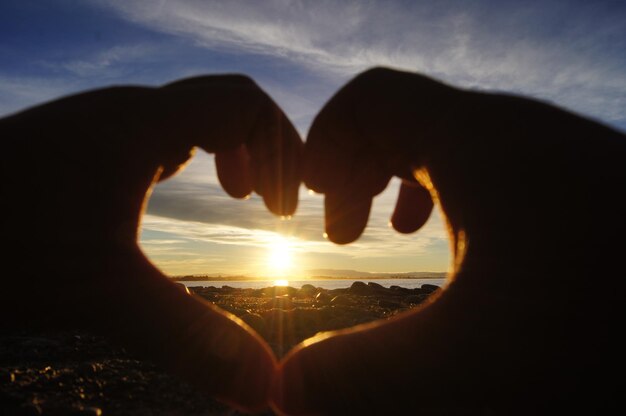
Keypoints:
pixel 323 283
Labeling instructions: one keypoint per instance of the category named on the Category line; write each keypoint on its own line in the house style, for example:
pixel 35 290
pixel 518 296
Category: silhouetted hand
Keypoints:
pixel 75 174
pixel 533 197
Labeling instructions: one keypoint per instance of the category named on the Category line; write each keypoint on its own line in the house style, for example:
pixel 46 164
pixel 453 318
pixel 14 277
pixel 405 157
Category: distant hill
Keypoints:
pixel 219 277
pixel 321 274
pixel 355 274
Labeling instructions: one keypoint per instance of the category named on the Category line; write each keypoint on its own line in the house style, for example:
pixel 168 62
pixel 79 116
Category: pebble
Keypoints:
pixel 183 287
pixel 401 290
pixel 376 285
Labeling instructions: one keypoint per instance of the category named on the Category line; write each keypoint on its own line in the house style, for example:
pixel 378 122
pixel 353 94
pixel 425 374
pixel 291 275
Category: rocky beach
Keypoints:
pixel 77 373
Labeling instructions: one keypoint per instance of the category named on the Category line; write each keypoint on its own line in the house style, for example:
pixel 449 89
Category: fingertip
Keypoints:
pixel 346 216
pixel 276 149
pixel 413 208
pixel 233 171
pixel 282 202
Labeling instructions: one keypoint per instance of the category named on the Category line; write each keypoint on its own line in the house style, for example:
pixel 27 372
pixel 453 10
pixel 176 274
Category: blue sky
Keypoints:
pixel 570 53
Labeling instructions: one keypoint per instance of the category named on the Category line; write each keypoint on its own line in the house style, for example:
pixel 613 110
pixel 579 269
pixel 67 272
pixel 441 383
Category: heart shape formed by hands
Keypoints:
pixel 484 343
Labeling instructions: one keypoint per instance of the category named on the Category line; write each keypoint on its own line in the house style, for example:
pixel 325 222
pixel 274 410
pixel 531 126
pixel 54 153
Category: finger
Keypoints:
pixel 214 351
pixel 275 157
pixel 413 208
pixel 346 217
pixel 348 201
pixel 233 171
pixel 338 162
pixel 245 115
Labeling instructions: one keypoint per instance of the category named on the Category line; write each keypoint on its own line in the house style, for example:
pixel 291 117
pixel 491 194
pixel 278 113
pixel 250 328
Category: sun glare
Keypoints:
pixel 281 282
pixel 279 258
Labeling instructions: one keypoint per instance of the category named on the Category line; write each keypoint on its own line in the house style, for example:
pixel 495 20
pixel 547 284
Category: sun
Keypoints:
pixel 279 256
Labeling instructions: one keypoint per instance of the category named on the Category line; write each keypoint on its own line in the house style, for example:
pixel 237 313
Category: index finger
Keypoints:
pixel 257 147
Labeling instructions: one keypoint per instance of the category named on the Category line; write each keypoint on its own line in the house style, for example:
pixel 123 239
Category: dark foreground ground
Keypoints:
pixel 76 373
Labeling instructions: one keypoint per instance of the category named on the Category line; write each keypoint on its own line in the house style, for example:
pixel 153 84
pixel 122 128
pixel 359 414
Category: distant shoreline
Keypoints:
pixel 256 279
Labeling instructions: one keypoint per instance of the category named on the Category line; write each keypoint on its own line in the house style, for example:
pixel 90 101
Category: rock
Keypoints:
pixel 306 291
pixel 360 288
pixel 322 298
pixel 375 285
pixel 198 290
pixel 256 322
pixel 341 300
pixel 401 290
pixel 430 288
pixel 184 288
pixel 280 291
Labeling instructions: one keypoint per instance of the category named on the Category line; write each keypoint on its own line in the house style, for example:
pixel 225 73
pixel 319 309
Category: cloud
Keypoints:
pixel 196 196
pixel 17 92
pixel 104 63
pixel 232 236
pixel 569 55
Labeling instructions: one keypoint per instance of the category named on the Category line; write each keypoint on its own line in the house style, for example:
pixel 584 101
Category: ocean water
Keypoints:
pixel 325 283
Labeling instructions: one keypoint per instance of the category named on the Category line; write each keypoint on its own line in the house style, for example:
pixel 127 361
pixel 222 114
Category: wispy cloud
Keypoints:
pixel 232 249
pixel 18 92
pixel 104 63
pixel 515 47
pixel 195 195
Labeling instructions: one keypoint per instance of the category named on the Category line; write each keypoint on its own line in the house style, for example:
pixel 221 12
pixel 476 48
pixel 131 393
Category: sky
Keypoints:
pixel 569 53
